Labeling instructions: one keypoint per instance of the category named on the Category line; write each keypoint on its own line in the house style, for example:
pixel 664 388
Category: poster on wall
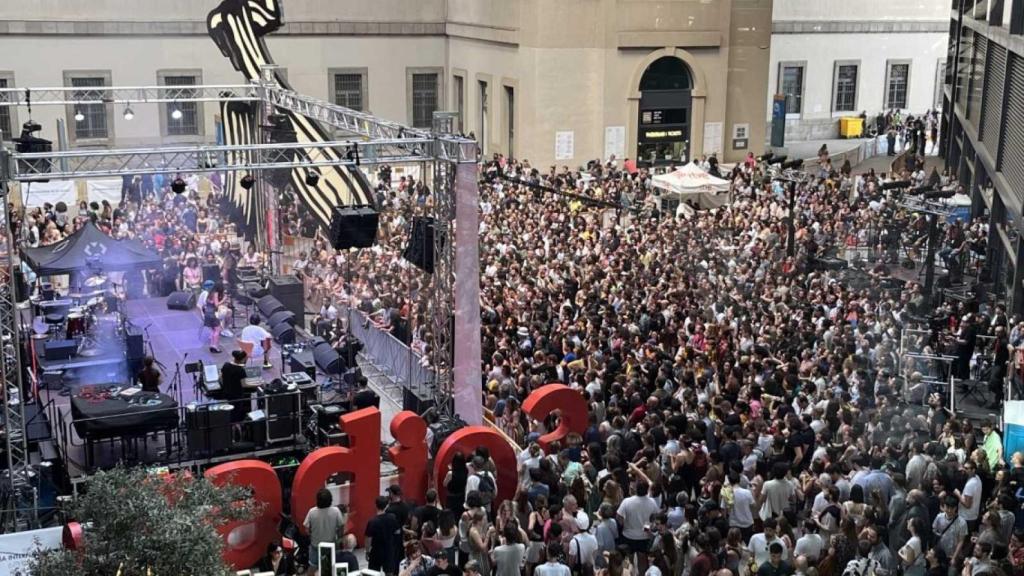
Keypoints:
pixel 564 145
pixel 712 138
pixel 614 141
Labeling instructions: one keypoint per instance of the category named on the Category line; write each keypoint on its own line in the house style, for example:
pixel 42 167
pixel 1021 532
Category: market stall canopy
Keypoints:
pixel 691 179
pixel 89 248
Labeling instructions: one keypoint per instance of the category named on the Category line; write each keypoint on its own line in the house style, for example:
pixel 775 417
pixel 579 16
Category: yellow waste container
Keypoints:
pixel 851 127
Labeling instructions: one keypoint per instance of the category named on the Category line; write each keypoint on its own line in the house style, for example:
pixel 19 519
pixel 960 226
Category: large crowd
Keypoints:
pixel 749 408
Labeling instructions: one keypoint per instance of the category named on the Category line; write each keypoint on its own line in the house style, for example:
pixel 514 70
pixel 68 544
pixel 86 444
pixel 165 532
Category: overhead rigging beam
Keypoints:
pixel 36 166
pixel 61 96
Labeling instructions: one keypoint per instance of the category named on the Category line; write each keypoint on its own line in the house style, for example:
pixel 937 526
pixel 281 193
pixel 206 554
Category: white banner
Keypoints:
pixel 614 142
pixel 38 193
pixel 108 189
pixel 565 146
pixel 15 547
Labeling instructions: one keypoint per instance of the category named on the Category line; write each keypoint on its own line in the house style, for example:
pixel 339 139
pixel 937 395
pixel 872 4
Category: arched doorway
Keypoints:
pixel 665 112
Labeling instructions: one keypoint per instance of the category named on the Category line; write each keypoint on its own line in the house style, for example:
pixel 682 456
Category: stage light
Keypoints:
pixel 312 178
pixel 79 116
pixel 247 182
pixel 128 114
pixel 176 113
pixel 178 186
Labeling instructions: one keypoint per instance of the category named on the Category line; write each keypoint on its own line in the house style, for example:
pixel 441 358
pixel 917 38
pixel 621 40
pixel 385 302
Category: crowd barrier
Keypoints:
pixel 392 357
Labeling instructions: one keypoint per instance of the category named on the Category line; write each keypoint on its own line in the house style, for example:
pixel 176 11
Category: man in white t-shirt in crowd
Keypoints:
pixel 970 498
pixel 811 544
pixel 481 481
pixel 741 511
pixel 259 338
pixel 635 516
pixel 760 542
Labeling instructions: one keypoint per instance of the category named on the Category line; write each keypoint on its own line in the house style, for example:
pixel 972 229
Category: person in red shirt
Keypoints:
pixel 705 563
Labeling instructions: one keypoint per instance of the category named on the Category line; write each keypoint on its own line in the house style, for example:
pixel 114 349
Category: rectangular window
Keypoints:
pixel 90 120
pixel 845 88
pixel 896 86
pixel 424 99
pixel 510 107
pixel 348 91
pixel 458 85
pixel 792 86
pixel 182 118
pixel 6 126
pixel 482 137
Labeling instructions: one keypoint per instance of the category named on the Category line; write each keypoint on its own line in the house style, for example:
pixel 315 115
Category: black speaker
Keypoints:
pixel 291 292
pixel 327 358
pixel 269 306
pixel 353 227
pixel 831 264
pixel 209 428
pixel 181 301
pixel 420 250
pixel 284 316
pixel 20 286
pixel 211 272
pixel 134 344
pixel 282 423
pixel 413 401
pixel 284 333
pixel 303 362
pixel 61 349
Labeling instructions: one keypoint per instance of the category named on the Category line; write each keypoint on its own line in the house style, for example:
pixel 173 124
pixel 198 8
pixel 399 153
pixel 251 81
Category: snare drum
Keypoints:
pixel 77 324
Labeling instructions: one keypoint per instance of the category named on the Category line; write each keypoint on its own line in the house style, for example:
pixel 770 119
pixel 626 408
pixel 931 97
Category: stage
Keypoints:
pixel 173 338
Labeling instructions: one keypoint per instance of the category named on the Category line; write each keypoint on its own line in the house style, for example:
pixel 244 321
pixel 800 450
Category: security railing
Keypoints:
pixel 403 367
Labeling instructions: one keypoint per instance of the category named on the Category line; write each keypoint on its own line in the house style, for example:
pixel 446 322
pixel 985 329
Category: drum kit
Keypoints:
pixel 92 315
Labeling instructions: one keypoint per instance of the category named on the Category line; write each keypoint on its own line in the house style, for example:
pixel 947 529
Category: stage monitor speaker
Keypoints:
pixel 414 402
pixel 211 272
pixel 420 250
pixel 268 306
pixel 283 332
pixel 282 317
pixel 256 421
pixel 282 421
pixel 327 358
pixel 60 349
pixel 291 292
pixel 303 362
pixel 353 227
pixel 134 344
pixel 181 301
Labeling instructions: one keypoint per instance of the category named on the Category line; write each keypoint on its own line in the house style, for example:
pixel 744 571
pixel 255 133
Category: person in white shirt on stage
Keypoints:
pixel 259 338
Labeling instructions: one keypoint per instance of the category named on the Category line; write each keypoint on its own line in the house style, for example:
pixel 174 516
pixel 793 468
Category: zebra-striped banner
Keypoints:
pixel 238 28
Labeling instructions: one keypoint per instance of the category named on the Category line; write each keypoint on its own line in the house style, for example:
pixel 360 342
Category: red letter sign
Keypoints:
pixel 261 479
pixel 465 440
pixel 411 454
pixel 361 459
pixel 570 403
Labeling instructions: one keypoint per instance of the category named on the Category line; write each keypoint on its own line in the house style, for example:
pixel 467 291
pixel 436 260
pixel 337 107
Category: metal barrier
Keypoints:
pixel 392 358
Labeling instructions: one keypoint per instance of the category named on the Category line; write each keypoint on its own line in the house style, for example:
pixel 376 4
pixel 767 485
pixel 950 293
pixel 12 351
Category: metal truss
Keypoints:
pixel 16 478
pixel 442 334
pixel 36 166
pixel 127 95
pixel 447 147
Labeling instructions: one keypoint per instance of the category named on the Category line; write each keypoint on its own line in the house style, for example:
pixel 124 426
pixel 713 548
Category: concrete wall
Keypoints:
pixel 844 10
pixel 573 64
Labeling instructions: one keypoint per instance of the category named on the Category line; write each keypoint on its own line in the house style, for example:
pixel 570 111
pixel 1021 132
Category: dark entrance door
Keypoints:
pixel 663 131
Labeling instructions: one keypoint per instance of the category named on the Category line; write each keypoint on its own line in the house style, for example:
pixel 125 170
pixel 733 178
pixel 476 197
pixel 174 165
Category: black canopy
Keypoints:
pixel 89 248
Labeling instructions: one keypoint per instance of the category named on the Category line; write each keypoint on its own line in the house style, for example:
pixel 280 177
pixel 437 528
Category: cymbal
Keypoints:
pixel 95 281
pixel 85 295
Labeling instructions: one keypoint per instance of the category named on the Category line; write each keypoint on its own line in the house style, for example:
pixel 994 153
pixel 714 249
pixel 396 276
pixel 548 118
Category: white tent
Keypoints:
pixel 693 182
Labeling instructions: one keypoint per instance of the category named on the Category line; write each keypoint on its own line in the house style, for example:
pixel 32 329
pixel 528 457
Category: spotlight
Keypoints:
pixel 178 185
pixel 247 182
pixel 312 178
pixel 176 114
pixel 128 114
pixel 79 116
